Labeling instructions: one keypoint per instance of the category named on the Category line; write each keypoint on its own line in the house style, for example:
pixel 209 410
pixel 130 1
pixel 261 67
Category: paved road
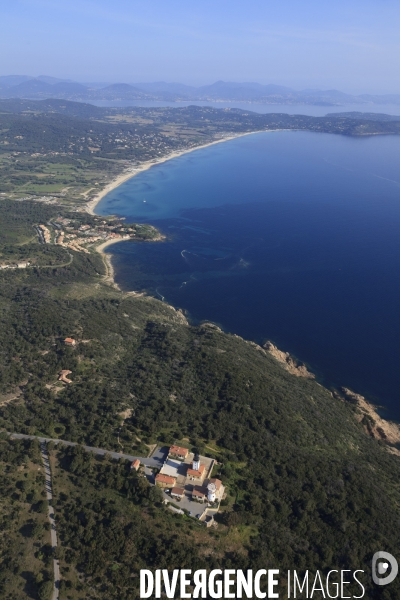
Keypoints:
pixel 53 531
pixel 157 460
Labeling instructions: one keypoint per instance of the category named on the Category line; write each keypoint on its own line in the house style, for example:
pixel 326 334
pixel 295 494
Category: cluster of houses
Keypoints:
pixel 73 236
pixel 185 474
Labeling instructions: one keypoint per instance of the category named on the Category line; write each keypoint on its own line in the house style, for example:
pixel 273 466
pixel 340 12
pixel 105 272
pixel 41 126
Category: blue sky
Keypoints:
pixel 352 45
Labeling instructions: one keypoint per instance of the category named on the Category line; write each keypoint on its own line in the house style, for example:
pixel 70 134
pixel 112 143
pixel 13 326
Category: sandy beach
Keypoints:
pixel 110 273
pixel 128 174
pixel 109 276
pixel 133 171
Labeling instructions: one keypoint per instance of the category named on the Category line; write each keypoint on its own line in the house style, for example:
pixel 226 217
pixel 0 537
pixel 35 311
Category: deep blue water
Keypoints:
pixel 288 236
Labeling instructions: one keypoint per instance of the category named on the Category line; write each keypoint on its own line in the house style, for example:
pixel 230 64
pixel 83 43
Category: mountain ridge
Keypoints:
pixel 24 86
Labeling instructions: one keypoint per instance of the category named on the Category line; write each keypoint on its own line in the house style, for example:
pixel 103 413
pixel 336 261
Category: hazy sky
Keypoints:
pixel 352 45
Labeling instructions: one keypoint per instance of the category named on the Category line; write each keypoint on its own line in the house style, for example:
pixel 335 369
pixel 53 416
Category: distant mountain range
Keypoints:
pixel 43 87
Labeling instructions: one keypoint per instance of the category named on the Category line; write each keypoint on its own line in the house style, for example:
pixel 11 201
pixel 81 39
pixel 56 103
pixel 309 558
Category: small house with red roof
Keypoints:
pixel 164 481
pixel 178 452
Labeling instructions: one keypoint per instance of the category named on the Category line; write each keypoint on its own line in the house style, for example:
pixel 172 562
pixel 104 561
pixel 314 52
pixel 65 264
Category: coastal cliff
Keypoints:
pixel 373 423
pixel 288 362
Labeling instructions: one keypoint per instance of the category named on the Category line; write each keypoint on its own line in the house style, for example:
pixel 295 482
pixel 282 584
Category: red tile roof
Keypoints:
pixel 179 451
pixel 165 479
pixel 196 474
pixel 177 491
pixel 135 464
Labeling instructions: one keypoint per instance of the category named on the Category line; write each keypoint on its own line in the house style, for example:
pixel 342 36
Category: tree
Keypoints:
pixel 155 494
pixel 45 590
pixel 42 506
pixel 37 530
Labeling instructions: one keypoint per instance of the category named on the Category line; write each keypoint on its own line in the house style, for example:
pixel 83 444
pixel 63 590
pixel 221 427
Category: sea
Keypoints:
pixel 313 110
pixel 287 236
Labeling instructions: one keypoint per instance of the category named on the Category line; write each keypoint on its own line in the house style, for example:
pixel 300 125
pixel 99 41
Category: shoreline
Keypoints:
pixel 383 429
pixel 125 176
pixel 109 277
pixel 377 427
pixel 145 166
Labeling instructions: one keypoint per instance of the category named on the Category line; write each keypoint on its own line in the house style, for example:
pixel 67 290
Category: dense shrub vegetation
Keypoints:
pixel 25 552
pixel 307 488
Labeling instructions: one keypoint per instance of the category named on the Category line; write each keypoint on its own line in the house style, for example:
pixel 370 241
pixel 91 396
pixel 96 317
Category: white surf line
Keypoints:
pixel 353 170
pixel 386 179
pixel 53 532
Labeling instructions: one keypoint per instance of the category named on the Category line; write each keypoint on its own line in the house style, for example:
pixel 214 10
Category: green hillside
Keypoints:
pixel 307 488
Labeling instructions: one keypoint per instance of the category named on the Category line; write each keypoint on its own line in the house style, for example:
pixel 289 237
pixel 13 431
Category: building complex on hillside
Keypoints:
pixel 189 475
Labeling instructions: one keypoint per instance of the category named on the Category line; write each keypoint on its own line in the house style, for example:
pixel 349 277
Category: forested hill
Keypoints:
pixel 307 487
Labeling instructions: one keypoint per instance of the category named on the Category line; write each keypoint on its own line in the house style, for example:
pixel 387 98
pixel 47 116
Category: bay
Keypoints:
pixel 288 236
pixel 312 110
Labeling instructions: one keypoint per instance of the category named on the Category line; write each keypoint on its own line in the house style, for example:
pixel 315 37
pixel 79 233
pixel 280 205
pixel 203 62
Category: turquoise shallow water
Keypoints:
pixel 289 236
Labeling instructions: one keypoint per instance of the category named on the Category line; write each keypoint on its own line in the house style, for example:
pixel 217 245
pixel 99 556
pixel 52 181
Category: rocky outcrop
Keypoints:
pixel 208 325
pixel 289 363
pixel 181 316
pixel 374 425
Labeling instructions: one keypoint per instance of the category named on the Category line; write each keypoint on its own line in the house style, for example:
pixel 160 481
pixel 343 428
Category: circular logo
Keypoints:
pixel 382 563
